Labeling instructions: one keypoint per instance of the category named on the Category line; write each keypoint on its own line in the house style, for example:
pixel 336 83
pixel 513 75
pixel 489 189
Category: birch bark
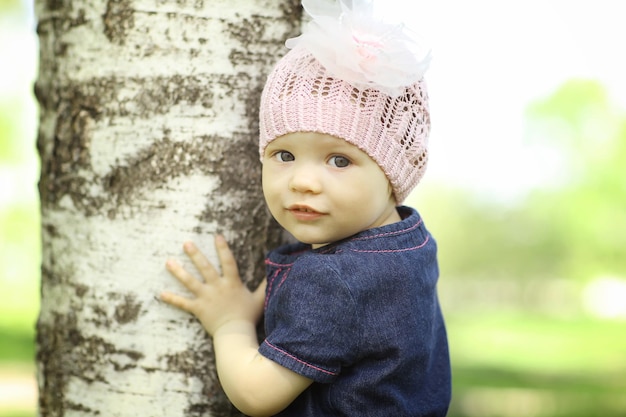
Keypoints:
pixel 147 137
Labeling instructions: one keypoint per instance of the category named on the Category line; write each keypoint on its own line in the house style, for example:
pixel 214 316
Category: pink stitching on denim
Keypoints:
pixel 271 284
pixel 268 262
pixel 274 276
pixel 284 277
pixel 393 250
pixel 298 360
pixel 269 290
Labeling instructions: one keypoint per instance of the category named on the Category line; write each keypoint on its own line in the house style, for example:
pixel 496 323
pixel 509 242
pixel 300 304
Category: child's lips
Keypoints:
pixel 302 212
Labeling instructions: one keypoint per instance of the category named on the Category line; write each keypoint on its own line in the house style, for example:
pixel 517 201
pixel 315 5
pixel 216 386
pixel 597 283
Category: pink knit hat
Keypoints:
pixel 391 125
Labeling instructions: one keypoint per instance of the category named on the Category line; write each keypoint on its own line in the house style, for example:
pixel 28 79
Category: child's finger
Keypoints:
pixel 185 278
pixel 227 260
pixel 177 301
pixel 206 269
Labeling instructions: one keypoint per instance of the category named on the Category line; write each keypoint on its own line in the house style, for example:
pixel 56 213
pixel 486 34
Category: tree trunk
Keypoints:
pixel 147 137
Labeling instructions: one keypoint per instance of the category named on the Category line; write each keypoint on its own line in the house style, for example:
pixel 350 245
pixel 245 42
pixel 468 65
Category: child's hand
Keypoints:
pixel 219 299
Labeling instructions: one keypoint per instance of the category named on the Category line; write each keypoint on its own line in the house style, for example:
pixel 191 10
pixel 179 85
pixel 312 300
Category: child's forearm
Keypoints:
pixel 236 350
pixel 255 385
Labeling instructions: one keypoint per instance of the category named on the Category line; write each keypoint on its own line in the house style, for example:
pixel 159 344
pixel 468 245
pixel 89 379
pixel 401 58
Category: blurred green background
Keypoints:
pixel 19 211
pixel 534 287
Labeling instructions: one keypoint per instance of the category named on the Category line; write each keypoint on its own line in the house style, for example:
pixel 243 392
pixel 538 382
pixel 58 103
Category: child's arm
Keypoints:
pixel 229 312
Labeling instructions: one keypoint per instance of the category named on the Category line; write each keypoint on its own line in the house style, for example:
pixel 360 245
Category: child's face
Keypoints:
pixel 323 189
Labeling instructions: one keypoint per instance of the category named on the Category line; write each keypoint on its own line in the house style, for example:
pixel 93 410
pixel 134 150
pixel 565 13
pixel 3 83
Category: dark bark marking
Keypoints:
pixel 118 20
pixel 54 5
pixel 197 4
pixel 157 95
pixel 128 310
pixel 51 346
pixel 54 274
pixel 248 31
pixel 81 407
pixel 64 352
pixel 193 362
pixel 198 362
pixel 101 317
pixel 152 166
pixel 62 20
pixel 133 356
pixel 80 290
pixel 256 49
pixel 78 108
pixel 292 12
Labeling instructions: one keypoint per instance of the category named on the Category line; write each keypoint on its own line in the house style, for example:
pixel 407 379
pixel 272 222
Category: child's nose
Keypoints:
pixel 304 179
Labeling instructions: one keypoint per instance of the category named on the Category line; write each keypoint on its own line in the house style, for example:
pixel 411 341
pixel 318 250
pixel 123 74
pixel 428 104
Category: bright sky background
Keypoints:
pixel 491 58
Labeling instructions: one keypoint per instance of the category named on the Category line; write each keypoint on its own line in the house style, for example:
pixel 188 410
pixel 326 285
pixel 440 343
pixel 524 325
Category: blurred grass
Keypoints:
pixel 519 364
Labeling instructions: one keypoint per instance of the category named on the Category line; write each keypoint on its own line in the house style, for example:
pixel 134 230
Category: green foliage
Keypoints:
pixel 586 216
pixel 8 151
pixel 13 8
pixel 574 228
pixel 18 344
pixel 19 283
pixel 479 239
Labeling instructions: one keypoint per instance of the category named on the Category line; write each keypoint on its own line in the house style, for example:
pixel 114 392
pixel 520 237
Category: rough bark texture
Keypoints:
pixel 147 138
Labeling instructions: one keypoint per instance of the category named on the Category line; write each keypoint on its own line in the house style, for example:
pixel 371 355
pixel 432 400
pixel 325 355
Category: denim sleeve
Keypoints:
pixel 311 324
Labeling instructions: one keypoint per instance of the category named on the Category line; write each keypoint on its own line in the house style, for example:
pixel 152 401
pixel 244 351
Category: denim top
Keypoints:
pixel 361 318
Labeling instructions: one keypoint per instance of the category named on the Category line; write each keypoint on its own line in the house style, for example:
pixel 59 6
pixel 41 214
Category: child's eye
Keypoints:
pixel 284 156
pixel 339 161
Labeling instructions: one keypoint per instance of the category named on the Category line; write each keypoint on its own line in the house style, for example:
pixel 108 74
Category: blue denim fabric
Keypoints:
pixel 361 318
